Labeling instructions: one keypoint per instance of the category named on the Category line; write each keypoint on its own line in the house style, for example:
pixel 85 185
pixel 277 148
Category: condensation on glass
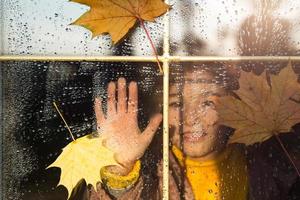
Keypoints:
pixel 33 132
pixel 243 27
pixel 43 28
pixel 203 164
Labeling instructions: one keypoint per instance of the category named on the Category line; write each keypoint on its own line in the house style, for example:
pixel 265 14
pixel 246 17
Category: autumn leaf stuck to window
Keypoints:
pixel 262 110
pixel 117 17
pixel 82 159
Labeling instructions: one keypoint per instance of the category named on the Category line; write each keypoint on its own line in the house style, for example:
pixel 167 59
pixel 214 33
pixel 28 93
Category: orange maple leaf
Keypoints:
pixel 117 17
pixel 262 110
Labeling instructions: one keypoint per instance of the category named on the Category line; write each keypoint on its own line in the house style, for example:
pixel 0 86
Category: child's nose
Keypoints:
pixel 191 116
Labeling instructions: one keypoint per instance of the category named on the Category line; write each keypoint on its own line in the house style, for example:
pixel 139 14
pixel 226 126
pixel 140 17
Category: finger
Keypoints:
pixel 122 95
pixel 111 99
pixel 152 128
pixel 98 111
pixel 133 98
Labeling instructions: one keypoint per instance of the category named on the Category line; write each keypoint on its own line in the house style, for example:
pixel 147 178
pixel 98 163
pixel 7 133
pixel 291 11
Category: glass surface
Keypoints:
pixel 210 157
pixel 34 134
pixel 221 28
pixel 43 28
pixel 229 28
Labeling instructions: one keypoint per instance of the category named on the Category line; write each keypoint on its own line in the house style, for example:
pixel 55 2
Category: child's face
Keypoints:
pixel 200 130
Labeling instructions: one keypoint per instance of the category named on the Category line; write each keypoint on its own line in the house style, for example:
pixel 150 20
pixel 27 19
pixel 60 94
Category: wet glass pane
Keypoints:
pixel 43 28
pixel 34 133
pixel 231 133
pixel 227 28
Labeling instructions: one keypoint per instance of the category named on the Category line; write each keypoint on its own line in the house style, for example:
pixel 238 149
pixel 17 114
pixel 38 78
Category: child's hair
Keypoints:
pixel 222 74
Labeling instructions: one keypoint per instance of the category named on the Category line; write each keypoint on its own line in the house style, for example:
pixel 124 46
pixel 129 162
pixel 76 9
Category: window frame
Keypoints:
pixel 166 59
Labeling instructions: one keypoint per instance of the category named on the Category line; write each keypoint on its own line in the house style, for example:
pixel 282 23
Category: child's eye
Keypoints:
pixel 208 103
pixel 175 104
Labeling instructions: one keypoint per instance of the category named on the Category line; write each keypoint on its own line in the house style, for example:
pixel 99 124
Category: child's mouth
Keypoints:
pixel 194 136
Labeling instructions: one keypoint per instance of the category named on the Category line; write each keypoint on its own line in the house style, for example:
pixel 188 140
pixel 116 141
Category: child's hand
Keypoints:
pixel 119 127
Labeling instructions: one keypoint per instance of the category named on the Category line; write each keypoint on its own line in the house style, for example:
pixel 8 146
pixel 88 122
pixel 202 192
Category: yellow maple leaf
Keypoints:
pixel 82 159
pixel 117 17
pixel 262 110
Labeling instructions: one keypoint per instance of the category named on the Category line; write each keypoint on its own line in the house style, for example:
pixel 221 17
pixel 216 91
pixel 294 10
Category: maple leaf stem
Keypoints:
pixel 151 43
pixel 62 117
pixel 287 153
